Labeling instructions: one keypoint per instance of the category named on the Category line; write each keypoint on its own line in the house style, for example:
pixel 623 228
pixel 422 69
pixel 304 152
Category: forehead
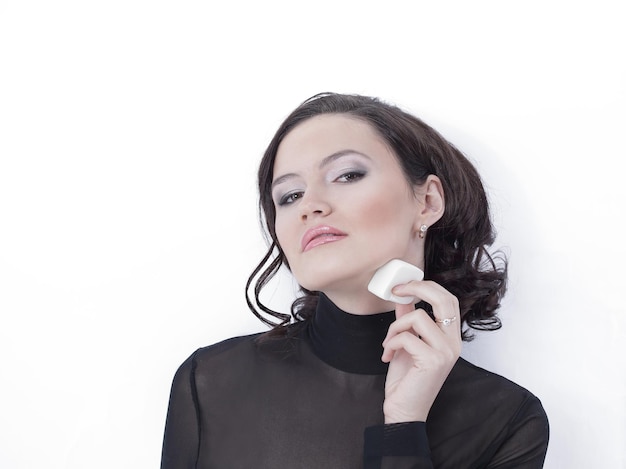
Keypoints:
pixel 323 135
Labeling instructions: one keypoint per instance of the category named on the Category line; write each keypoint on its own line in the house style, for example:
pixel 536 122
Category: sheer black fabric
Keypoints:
pixel 314 400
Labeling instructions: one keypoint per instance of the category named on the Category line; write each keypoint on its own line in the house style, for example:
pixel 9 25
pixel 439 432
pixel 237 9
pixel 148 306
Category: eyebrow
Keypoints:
pixel 326 161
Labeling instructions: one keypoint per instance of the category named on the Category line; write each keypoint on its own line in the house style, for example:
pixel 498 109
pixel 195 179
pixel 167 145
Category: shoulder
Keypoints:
pixel 214 359
pixel 490 394
pixel 225 346
pixel 220 351
pixel 500 420
pixel 262 344
pixel 468 375
pixel 238 353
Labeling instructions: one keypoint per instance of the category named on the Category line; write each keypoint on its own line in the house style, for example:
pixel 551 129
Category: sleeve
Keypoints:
pixel 182 427
pixel 397 446
pixel 526 441
pixel 521 444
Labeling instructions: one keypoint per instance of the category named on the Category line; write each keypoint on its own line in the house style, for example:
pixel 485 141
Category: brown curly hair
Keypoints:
pixel 456 247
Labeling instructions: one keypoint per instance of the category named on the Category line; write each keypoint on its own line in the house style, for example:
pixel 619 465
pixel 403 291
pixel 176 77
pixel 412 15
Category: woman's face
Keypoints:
pixel 343 207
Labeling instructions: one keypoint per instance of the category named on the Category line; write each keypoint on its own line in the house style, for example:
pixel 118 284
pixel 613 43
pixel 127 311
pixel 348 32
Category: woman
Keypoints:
pixel 348 183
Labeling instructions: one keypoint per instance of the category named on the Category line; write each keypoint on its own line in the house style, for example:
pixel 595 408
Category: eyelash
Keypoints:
pixel 352 176
pixel 288 198
pixel 348 177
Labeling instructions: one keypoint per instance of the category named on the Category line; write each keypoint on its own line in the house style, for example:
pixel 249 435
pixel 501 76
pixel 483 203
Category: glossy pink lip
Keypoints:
pixel 321 235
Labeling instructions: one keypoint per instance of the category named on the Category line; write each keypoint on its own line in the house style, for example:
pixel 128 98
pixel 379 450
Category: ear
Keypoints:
pixel 433 202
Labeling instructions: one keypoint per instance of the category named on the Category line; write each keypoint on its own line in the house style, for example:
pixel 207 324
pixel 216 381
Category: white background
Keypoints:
pixel 130 132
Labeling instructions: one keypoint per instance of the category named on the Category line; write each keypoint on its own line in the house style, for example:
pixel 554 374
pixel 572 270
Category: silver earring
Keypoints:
pixel 422 232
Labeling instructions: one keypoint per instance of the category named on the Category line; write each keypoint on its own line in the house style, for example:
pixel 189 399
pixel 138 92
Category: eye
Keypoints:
pixel 290 198
pixel 351 176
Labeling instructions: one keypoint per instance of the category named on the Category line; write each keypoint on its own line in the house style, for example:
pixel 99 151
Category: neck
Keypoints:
pixel 363 304
pixel 349 342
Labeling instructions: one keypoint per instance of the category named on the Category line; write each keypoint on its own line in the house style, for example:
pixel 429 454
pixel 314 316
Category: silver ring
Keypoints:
pixel 446 321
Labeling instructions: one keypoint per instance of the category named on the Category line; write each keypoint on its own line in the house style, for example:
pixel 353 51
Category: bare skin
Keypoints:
pixel 420 352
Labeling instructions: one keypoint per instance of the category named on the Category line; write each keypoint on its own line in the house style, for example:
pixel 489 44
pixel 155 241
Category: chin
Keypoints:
pixel 314 284
pixel 333 278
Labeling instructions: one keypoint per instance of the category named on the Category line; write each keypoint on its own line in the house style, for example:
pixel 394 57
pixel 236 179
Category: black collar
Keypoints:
pixel 349 342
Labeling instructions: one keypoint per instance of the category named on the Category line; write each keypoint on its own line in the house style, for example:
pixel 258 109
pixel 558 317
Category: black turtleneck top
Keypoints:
pixel 313 399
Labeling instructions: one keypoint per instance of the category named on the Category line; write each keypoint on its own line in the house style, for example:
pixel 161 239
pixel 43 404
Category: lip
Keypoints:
pixel 321 235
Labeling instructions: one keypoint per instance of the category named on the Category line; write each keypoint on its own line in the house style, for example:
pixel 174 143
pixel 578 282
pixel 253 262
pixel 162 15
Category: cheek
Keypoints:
pixel 386 208
pixel 283 234
pixel 388 221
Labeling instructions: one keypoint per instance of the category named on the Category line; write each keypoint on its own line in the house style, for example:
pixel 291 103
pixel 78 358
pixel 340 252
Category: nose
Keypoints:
pixel 312 207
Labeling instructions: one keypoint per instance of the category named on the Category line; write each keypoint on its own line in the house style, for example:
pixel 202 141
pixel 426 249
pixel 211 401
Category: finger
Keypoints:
pixel 402 309
pixel 445 305
pixel 408 342
pixel 421 325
